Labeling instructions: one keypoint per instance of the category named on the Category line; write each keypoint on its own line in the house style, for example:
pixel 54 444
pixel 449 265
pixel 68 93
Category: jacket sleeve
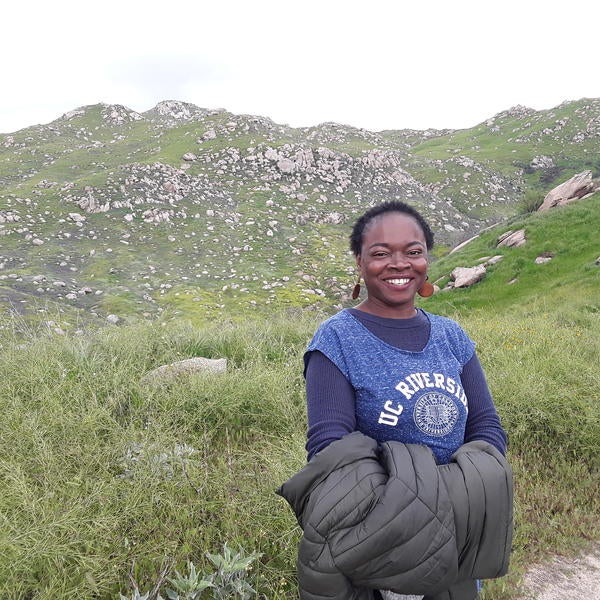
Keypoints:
pixel 347 468
pixel 479 478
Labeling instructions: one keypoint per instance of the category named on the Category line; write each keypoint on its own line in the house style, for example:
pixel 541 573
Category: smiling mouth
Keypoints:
pixel 398 281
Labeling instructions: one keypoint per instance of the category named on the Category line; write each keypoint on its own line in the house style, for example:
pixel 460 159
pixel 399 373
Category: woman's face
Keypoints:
pixel 393 264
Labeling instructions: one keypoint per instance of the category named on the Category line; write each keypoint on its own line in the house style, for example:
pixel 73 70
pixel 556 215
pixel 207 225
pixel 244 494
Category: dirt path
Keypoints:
pixel 565 578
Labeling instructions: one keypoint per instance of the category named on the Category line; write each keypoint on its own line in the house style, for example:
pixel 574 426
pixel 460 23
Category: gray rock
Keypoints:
pixel 493 260
pixel 189 366
pixel 466 276
pixel 577 187
pixel 512 239
pixel 112 319
pixel 285 165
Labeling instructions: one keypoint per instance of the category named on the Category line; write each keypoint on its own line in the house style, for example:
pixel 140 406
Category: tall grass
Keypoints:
pixel 107 480
pixel 542 368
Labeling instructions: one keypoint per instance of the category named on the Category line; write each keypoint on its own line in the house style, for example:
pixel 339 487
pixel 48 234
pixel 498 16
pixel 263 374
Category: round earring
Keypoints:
pixel 426 290
pixel 356 288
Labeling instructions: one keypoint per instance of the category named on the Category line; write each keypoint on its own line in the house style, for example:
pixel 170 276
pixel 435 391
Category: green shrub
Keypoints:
pixel 531 201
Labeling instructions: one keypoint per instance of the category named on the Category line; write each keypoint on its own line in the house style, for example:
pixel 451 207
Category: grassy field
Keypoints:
pixel 113 486
pixel 109 483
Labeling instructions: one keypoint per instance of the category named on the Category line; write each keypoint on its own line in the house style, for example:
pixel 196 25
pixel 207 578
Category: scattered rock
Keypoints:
pixel 112 319
pixel 512 239
pixel 544 258
pixel 117 114
pixel 466 276
pixel 45 184
pixel 579 186
pixel 541 162
pixel 209 135
pixel 493 260
pixel 76 217
pixel 285 165
pixel 189 366
pixel 73 113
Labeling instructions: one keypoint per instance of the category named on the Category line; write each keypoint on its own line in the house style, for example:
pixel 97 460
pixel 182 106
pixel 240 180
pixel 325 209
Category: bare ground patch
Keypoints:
pixel 564 578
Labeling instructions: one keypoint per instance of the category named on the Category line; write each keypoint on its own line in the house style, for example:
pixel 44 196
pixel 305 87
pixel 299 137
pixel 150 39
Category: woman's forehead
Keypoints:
pixel 394 225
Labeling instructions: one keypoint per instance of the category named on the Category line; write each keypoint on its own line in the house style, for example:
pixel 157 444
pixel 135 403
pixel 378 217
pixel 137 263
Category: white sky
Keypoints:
pixel 376 64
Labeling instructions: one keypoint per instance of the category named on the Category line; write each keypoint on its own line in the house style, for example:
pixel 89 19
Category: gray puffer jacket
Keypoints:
pixel 388 517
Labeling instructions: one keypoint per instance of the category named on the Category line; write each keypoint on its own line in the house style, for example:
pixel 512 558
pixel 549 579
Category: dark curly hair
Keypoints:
pixel 356 237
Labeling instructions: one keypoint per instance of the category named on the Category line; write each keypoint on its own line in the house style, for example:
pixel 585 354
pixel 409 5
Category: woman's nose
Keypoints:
pixel 398 260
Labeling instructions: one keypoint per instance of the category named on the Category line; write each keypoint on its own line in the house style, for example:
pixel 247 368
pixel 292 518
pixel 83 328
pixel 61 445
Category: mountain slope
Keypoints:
pixel 568 281
pixel 205 212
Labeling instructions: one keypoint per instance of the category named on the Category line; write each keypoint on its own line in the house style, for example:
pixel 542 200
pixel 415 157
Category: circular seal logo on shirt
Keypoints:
pixel 435 414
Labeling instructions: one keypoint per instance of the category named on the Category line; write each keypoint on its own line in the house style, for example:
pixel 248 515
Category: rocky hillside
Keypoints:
pixel 113 212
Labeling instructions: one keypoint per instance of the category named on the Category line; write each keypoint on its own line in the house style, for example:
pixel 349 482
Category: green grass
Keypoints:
pixel 80 510
pixel 542 370
pixel 96 487
pixel 88 151
pixel 569 233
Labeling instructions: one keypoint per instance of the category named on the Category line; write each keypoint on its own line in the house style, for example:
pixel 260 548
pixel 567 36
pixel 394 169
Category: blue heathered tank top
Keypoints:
pixel 410 397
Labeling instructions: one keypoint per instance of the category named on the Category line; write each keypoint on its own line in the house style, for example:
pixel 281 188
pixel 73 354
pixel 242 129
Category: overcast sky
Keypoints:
pixel 376 64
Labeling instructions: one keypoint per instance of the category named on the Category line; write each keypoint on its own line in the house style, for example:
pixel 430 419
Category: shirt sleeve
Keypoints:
pixel 330 402
pixel 483 422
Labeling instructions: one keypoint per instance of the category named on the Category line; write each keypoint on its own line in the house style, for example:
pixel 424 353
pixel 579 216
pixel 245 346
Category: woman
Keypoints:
pixel 388 369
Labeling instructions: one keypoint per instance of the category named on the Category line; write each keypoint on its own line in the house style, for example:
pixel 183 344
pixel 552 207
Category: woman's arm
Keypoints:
pixel 330 403
pixel 483 422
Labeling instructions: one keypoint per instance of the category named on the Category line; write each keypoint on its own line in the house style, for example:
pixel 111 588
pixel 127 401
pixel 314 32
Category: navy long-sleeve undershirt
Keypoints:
pixel 331 400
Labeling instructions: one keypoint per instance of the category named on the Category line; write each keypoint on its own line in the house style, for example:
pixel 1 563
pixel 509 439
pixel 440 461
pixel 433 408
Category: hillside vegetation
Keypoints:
pixel 113 483
pixel 571 279
pixel 208 214
pixel 225 236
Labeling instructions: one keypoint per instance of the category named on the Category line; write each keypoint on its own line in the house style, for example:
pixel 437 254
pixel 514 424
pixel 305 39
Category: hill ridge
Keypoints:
pixel 195 208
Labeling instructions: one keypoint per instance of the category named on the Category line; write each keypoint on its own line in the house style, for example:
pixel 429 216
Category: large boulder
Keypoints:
pixel 466 276
pixel 577 187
